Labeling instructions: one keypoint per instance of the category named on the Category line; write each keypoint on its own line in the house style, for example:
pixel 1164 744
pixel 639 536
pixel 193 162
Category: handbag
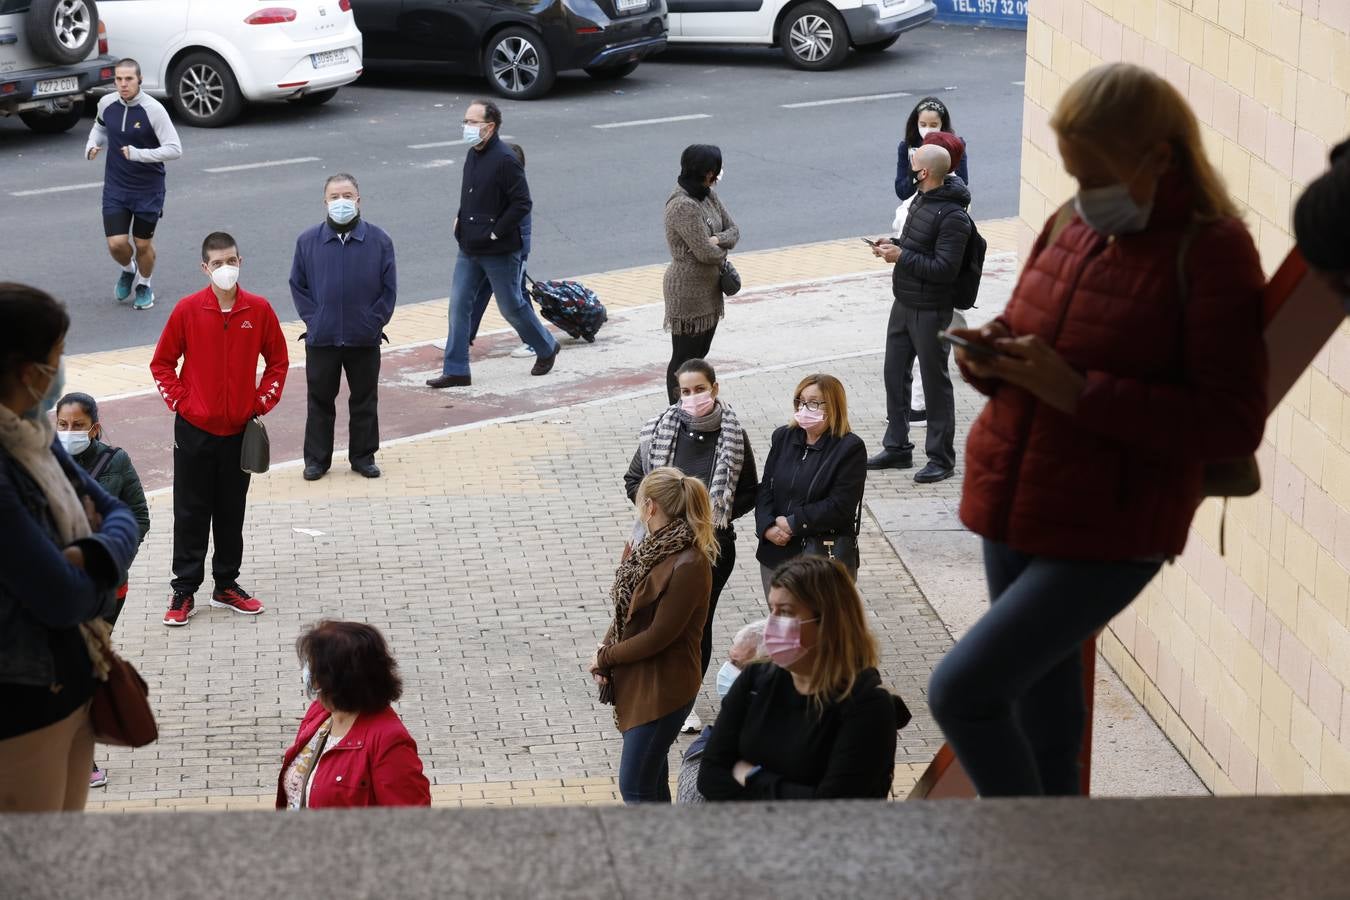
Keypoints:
pixel 255 454
pixel 120 711
pixel 730 279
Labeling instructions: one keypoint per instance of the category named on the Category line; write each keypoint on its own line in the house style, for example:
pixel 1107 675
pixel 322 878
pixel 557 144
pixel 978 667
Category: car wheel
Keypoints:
pixel 518 65
pixel 877 46
pixel 43 122
pixel 62 31
pixel 205 93
pixel 314 98
pixel 612 73
pixel 813 36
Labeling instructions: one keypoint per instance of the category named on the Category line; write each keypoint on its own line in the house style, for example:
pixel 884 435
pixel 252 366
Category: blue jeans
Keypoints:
pixel 484 297
pixel 503 274
pixel 1009 695
pixel 644 773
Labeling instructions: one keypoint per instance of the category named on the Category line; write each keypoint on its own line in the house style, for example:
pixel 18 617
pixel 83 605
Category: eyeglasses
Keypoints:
pixel 813 405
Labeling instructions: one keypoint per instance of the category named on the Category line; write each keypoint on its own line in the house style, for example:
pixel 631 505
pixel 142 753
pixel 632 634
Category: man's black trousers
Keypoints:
pixel 323 375
pixel 913 333
pixel 210 493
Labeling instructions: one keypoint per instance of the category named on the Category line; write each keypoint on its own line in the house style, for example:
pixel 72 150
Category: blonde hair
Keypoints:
pixel 845 646
pixel 836 402
pixel 1121 109
pixel 684 497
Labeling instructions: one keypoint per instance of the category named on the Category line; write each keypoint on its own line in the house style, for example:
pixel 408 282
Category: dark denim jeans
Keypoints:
pixel 503 273
pixel 644 772
pixel 1009 695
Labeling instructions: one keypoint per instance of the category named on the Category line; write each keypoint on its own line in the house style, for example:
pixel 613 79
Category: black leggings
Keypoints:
pixel 684 347
pixel 726 561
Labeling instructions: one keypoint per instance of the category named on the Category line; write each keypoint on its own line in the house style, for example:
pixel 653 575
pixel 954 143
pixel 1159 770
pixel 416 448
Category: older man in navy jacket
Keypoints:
pixel 344 284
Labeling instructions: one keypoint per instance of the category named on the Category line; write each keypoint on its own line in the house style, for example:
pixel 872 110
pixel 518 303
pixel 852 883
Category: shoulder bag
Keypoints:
pixel 255 455
pixel 730 279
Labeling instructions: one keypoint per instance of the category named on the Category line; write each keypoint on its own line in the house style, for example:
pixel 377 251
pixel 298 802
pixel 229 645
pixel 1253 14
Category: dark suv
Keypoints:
pixel 52 52
pixel 520 46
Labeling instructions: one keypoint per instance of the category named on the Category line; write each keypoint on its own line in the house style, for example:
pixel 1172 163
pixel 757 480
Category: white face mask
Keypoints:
pixel 75 442
pixel 726 677
pixel 473 133
pixel 226 277
pixel 1111 210
pixel 926 130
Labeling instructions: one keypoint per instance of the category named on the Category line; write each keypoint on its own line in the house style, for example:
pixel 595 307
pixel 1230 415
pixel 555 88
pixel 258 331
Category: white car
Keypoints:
pixel 813 34
pixel 210 56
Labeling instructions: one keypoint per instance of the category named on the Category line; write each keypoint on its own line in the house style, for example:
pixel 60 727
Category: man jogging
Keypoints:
pixel 140 139
pixel 218 333
pixel 344 284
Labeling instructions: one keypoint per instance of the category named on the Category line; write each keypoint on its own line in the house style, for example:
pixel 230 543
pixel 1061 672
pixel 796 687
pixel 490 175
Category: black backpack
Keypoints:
pixel 967 285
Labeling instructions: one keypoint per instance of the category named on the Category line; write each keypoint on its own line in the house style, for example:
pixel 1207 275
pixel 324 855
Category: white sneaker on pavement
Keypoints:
pixel 692 724
pixel 522 352
pixel 439 343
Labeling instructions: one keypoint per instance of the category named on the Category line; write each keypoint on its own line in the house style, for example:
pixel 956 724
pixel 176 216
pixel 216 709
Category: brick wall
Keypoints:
pixel 1244 659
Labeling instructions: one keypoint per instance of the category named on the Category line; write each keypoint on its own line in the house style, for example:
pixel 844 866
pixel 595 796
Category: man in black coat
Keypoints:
pixel 927 257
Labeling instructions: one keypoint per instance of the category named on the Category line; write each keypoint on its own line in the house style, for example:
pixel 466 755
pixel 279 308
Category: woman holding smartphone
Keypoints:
pixel 1129 355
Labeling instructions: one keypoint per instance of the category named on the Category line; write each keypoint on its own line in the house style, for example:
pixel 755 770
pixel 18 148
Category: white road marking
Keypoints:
pixel 689 118
pixel 57 190
pixel 1023 83
pixel 862 99
pixel 263 165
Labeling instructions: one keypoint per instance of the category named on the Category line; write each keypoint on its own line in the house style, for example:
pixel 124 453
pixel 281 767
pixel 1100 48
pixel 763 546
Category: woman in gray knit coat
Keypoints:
pixel 699 232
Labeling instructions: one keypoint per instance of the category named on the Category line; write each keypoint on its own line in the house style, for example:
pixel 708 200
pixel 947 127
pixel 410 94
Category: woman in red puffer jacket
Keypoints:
pixel 1129 355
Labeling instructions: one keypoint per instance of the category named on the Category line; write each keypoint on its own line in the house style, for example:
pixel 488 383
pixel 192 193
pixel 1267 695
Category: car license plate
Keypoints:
pixel 328 58
pixel 631 5
pixel 56 86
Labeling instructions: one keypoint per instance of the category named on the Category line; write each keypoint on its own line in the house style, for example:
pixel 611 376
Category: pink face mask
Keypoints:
pixel 783 639
pixel 809 418
pixel 698 405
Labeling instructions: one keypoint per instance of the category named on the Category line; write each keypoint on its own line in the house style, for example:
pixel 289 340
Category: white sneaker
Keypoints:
pixel 523 352
pixel 692 724
pixel 439 343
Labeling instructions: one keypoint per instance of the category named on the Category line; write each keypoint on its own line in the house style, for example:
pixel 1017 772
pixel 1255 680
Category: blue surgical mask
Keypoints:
pixel 726 677
pixel 1111 210
pixel 75 442
pixel 473 133
pixel 57 387
pixel 342 210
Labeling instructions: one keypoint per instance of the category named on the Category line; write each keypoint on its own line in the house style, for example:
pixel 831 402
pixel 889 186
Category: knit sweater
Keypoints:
pixel 692 284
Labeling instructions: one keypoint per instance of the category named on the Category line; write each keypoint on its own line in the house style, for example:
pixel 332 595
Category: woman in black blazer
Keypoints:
pixel 810 498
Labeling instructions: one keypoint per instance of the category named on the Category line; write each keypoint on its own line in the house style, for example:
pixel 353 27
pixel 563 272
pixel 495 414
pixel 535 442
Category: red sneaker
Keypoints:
pixel 182 607
pixel 237 599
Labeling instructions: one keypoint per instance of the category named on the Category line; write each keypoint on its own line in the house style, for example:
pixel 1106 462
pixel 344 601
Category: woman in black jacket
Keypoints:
pixel 701 436
pixel 815 723
pixel 811 494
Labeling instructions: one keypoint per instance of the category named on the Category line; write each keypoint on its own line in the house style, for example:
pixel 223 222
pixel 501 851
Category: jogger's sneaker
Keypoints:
pixel 524 351
pixel 182 606
pixel 237 599
pixel 123 289
pixel 692 724
pixel 98 777
pixel 145 298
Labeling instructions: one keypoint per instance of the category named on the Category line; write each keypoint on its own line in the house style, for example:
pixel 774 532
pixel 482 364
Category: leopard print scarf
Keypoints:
pixel 647 555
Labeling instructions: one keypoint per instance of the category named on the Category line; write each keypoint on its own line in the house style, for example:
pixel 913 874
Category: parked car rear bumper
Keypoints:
pixel 869 24
pixel 17 89
pixel 628 51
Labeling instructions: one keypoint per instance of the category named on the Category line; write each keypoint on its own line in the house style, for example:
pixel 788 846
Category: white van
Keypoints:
pixel 52 52
pixel 813 34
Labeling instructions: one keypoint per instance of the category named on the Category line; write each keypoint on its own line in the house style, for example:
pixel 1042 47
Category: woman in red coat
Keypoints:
pixel 352 749
pixel 1129 355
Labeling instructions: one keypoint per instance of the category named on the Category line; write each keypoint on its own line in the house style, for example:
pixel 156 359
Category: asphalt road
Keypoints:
pixel 793 174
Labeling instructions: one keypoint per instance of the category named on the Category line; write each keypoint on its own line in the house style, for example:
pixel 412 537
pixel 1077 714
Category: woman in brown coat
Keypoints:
pixel 699 232
pixel 651 653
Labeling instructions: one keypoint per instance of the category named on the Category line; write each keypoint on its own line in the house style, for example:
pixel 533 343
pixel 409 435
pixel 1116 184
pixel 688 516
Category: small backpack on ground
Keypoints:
pixel 967 285
pixel 571 306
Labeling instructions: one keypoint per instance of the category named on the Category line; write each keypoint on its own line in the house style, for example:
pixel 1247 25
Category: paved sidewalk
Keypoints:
pixel 485 555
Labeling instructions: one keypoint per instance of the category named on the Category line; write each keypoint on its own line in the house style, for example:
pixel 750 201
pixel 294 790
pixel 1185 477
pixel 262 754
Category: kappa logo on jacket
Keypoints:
pixel 248 323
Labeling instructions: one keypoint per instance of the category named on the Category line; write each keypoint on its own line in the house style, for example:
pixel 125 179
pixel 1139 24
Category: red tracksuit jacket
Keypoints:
pixel 376 764
pixel 218 389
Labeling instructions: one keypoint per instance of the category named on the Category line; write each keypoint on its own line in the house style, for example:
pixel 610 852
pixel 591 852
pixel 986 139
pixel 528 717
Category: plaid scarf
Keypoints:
pixel 659 436
pixel 647 555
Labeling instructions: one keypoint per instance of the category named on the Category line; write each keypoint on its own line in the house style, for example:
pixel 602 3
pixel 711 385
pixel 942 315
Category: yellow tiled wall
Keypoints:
pixel 1244 659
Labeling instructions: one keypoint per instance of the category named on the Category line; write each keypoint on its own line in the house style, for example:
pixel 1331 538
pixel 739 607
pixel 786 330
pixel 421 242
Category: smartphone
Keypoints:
pixel 984 351
pixel 869 242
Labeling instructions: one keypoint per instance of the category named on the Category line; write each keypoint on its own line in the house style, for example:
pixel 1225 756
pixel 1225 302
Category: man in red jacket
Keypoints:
pixel 218 333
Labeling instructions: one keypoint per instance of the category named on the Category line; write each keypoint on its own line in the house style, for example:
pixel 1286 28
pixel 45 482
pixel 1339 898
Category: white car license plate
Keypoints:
pixel 328 58
pixel 56 86
pixel 630 5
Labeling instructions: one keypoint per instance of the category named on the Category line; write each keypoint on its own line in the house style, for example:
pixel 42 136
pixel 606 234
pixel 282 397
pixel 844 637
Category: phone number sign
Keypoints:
pixel 990 13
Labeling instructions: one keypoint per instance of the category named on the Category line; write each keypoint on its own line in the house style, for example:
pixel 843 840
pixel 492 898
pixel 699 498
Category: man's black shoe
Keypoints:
pixel 918 415
pixel 892 459
pixel 445 381
pixel 367 470
pixel 314 473
pixel 933 473
pixel 544 364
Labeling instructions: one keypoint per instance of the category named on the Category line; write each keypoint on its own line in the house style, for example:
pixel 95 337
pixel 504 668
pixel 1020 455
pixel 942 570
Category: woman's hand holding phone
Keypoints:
pixel 1026 361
